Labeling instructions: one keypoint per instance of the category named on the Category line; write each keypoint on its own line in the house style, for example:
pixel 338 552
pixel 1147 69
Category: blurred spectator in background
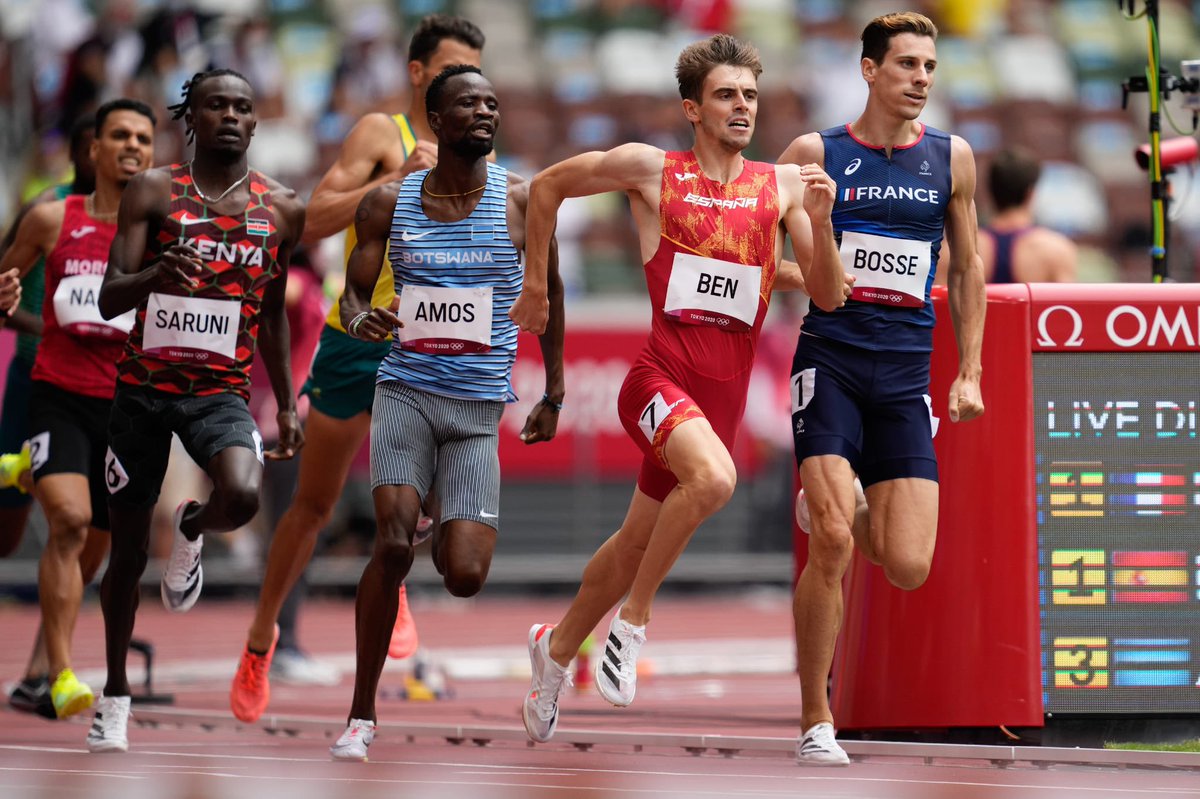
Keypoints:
pixel 1015 249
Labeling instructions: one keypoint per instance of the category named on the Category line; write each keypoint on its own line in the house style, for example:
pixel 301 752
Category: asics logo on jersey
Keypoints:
pixel 684 175
pixel 406 236
pixel 853 166
pixel 80 232
pixel 720 202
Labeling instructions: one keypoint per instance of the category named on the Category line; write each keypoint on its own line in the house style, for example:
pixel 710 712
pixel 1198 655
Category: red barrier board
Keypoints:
pixel 962 650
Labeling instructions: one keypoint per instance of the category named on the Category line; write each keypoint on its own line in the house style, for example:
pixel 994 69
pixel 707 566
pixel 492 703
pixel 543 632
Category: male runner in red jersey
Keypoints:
pixel 709 222
pixel 201 252
pixel 32 693
pixel 74 375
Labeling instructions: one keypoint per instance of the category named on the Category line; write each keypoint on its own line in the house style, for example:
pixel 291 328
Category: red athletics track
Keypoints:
pixel 716 717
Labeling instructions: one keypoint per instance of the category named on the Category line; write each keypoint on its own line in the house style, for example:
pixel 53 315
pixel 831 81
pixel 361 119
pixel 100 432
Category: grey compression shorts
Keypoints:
pixel 428 441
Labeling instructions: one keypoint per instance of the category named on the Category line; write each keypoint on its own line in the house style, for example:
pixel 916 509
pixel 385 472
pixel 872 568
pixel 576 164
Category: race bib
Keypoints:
pixel 191 329
pixel 77 309
pixel 714 293
pixel 889 271
pixel 445 321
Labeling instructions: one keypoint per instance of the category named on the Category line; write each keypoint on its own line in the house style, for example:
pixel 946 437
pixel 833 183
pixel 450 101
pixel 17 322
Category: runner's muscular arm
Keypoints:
pixel 36 236
pixel 968 295
pixel 810 194
pixel 372 223
pixel 629 167
pixel 335 199
pixel 20 320
pixel 274 336
pixel 144 204
pixel 542 422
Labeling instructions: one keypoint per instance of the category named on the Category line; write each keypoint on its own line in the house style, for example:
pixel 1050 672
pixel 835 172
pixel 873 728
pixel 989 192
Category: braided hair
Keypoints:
pixel 189 91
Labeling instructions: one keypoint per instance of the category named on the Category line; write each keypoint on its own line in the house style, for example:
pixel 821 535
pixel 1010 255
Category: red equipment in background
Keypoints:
pixel 1065 579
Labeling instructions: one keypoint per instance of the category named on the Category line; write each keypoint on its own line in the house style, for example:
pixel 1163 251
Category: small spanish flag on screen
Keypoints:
pixel 1150 577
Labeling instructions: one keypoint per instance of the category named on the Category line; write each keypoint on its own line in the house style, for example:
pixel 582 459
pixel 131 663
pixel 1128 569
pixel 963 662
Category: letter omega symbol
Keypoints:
pixel 1076 337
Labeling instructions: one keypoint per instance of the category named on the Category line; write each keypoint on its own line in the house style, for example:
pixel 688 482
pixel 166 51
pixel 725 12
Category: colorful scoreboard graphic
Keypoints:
pixel 1099 577
pixel 1118 516
pixel 1097 662
pixel 1089 489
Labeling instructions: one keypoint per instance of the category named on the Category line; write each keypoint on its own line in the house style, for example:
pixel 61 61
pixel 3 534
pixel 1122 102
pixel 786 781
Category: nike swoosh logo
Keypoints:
pixel 406 236
pixel 487 515
pixel 80 232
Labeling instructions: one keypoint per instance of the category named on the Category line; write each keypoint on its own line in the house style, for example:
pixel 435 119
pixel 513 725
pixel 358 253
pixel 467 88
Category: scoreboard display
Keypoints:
pixel 1118 521
pixel 1066 577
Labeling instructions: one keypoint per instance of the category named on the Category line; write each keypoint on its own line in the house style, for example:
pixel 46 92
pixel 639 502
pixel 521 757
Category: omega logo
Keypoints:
pixel 1073 340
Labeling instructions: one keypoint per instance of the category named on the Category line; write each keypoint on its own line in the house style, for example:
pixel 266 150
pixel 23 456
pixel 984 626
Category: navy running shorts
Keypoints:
pixel 871 408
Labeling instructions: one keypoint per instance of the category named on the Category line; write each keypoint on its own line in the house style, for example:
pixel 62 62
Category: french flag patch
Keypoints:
pixel 258 227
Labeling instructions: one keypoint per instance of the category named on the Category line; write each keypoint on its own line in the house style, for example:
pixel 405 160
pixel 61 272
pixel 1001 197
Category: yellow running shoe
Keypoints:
pixel 12 465
pixel 70 695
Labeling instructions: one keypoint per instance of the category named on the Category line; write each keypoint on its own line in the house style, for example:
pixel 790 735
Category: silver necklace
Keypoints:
pixel 222 195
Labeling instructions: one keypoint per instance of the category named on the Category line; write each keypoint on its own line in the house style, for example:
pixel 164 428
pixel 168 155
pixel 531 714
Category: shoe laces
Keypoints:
pixel 821 736
pixel 251 677
pixel 631 639
pixel 112 716
pixel 554 679
pixel 359 728
pixel 180 568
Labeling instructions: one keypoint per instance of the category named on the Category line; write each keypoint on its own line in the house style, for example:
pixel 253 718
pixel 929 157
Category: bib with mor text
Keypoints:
pixel 78 312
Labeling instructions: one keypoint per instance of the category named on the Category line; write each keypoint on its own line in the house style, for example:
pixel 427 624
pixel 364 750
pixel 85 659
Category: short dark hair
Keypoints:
pixel 433 28
pixel 700 58
pixel 1012 176
pixel 119 104
pixel 189 92
pixel 877 36
pixel 192 84
pixel 437 87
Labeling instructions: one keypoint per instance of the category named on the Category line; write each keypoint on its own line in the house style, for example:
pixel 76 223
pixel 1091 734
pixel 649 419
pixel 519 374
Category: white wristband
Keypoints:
pixel 352 328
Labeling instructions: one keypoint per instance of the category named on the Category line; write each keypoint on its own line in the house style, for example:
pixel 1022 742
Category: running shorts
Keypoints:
pixel 68 434
pixel 341 382
pixel 426 440
pixel 651 405
pixel 140 429
pixel 871 408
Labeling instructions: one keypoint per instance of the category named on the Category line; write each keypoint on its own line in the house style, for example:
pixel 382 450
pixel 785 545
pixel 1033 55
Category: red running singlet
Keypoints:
pixel 79 348
pixel 710 283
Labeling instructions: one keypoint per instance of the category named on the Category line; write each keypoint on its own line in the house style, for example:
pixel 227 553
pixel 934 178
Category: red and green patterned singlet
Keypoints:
pixel 201 341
